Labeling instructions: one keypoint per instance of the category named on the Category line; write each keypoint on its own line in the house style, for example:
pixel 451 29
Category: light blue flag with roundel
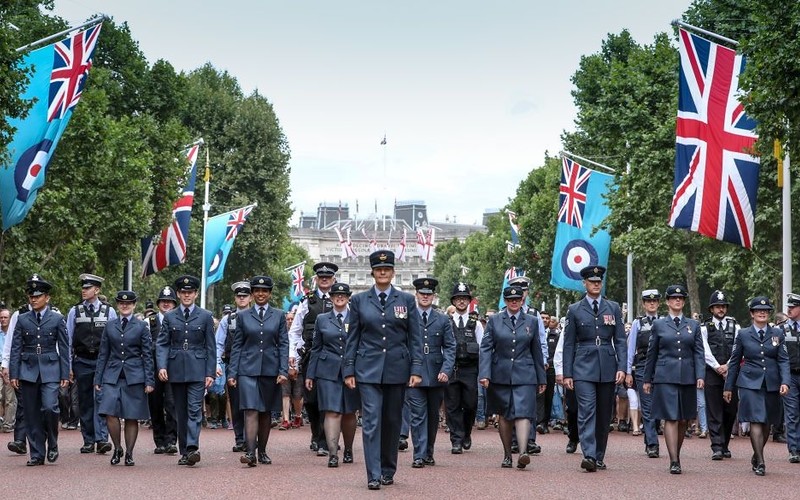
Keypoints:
pixel 58 76
pixel 220 233
pixel 582 208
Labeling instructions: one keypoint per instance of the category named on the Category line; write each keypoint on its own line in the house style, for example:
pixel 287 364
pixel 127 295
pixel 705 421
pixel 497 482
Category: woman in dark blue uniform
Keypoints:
pixel 325 370
pixel 259 364
pixel 125 375
pixel 511 368
pixel 761 379
pixel 674 370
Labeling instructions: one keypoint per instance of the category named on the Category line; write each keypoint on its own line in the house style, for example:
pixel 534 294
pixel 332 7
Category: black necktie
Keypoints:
pixel 761 335
pixel 677 322
pixel 124 323
pixel 91 309
pixel 594 307
pixel 382 296
pixel 261 313
pixel 720 326
pixel 340 318
pixel 186 314
pixel 38 317
pixel 425 318
pixel 461 321
pixel 513 321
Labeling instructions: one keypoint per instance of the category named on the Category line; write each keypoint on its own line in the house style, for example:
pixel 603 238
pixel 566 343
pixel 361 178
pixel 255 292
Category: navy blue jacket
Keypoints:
pixel 327 348
pixel 186 348
pixel 595 348
pixel 512 356
pixel 766 361
pixel 675 355
pixel 260 348
pixel 130 350
pixel 438 348
pixel 40 350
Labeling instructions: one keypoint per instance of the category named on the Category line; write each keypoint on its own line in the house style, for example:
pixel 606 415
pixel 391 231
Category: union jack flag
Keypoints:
pixel 297 282
pixel 572 193
pixel 236 221
pixel 169 248
pixel 716 176
pixel 72 60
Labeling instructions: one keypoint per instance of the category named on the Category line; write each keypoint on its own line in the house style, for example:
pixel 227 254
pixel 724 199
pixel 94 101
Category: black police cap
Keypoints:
pixel 261 282
pixel 36 286
pixel 425 285
pixel 187 282
pixel 593 273
pixel 340 288
pixel 325 268
pixel 381 258
pixel 761 303
pixel 125 296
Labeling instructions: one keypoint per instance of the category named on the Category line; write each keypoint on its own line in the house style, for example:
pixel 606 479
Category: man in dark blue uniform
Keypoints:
pixel 595 357
pixel 439 353
pixel 186 355
pixel 791 402
pixel 383 354
pixel 39 363
pixel 161 401
pixel 85 324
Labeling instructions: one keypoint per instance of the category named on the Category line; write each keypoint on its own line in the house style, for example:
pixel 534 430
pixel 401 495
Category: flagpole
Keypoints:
pixel 629 267
pixel 787 231
pixel 678 22
pixel 206 209
pixel 290 268
pixel 587 160
pixel 87 24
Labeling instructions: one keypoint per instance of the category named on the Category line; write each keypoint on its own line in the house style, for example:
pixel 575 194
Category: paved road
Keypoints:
pixel 297 473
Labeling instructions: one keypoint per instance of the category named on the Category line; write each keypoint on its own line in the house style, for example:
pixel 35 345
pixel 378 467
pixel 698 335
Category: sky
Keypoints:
pixel 469 94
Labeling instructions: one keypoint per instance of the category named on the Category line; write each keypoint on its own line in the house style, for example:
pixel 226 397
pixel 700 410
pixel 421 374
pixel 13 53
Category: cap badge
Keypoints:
pixel 261 280
pixel 678 290
pixel 596 271
pixel 185 280
pixel 35 277
pixel 382 256
pixel 462 287
pixel 720 296
pixel 426 282
pixel 166 291
pixel 125 296
pixel 763 301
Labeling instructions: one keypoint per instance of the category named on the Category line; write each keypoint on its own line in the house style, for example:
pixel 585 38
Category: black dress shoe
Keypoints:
pixel 52 455
pixel 374 485
pixel 264 459
pixel 572 447
pixel 347 457
pixel 333 461
pixel 313 446
pixel 103 447
pixel 540 429
pixel 87 448
pixel 193 457
pixel 183 460
pixel 726 453
pixel 652 451
pixel 387 480
pixel 753 462
pixel 34 461
pixel 159 450
pixel 170 449
pixel 456 450
pixel 523 461
pixel 675 468
pixel 18 447
pixel 116 456
pixel 402 445
pixel 418 463
pixel 760 470
pixel 322 452
pixel 467 444
pixel 514 448
pixel 249 459
pixel 506 463
pixel 129 460
pixel 533 448
pixel 429 461
pixel 589 464
pixel 717 455
pixel 794 458
pixel 601 465
pixel 238 448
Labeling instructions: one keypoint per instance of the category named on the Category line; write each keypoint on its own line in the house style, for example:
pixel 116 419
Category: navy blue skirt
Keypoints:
pixel 674 402
pixel 511 401
pixel 760 406
pixel 334 396
pixel 124 401
pixel 259 393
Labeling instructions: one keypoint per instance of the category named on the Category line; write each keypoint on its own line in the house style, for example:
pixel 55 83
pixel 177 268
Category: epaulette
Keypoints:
pixel 55 309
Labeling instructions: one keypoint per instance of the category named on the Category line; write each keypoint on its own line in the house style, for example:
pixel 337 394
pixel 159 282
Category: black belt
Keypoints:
pixel 38 350
pixel 795 371
pixel 86 356
pixel 597 341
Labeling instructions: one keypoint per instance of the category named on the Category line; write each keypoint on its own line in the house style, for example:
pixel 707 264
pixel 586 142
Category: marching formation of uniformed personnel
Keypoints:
pixel 674 370
pixel 186 358
pixel 125 375
pixel 85 324
pixel 595 358
pixel 719 332
pixel 461 394
pixel 791 402
pixel 759 369
pixel 224 339
pixel 259 364
pixel 38 364
pixel 438 364
pixel 382 356
pixel 338 403
pixel 512 370
pixel 160 400
pixel 301 337
pixel 638 340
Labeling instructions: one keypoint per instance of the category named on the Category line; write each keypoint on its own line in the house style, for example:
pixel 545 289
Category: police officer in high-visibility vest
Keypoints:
pixel 85 323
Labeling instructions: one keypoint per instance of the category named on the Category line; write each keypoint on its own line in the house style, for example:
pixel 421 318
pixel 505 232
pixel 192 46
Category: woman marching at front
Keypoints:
pixel 674 370
pixel 338 402
pixel 761 379
pixel 125 375
pixel 259 364
pixel 512 370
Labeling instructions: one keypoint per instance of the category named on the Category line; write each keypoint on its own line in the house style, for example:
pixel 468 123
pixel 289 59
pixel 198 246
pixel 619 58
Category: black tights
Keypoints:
pixel 521 425
pixel 336 423
pixel 759 434
pixel 131 432
pixel 256 430
pixel 674 433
